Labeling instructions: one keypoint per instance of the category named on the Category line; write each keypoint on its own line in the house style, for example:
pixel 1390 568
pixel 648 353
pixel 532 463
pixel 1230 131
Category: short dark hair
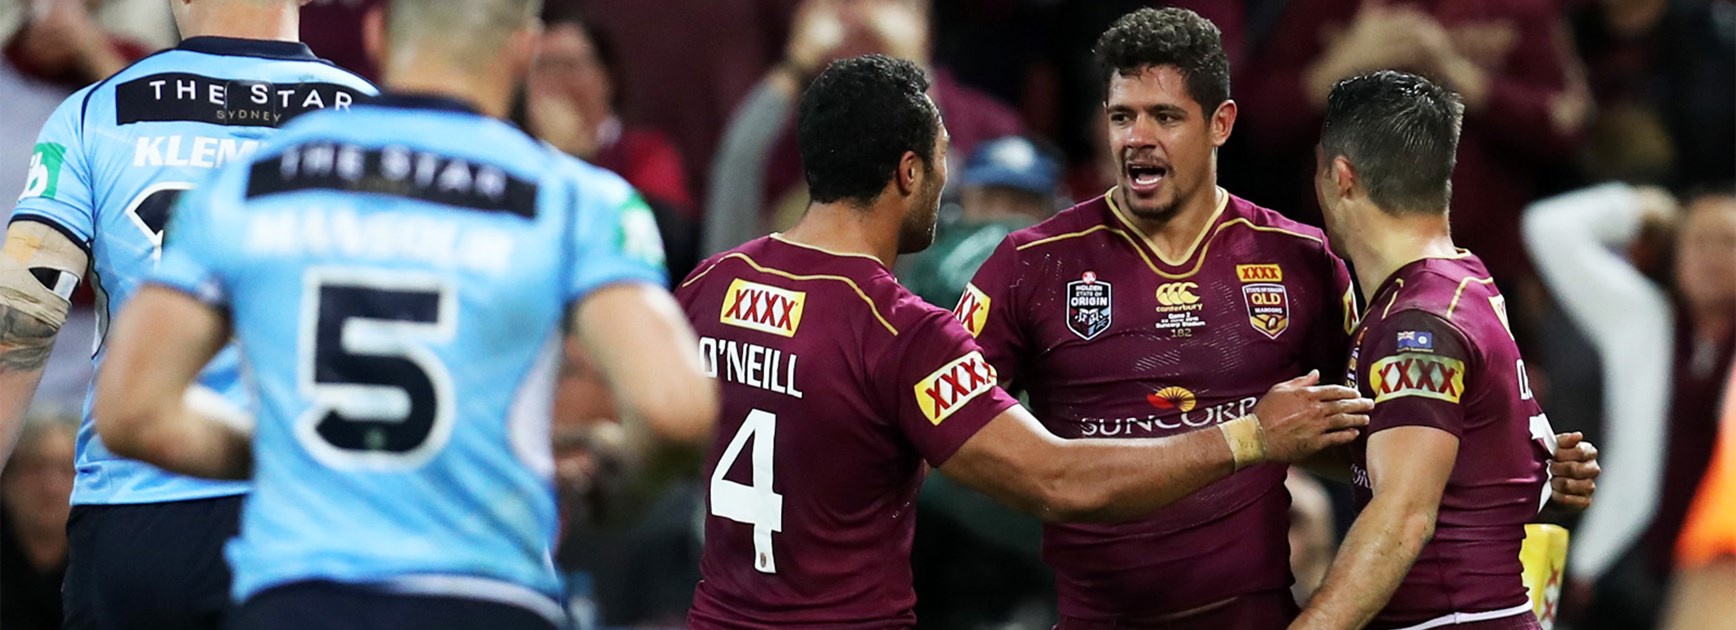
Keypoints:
pixel 1168 37
pixel 1402 134
pixel 857 119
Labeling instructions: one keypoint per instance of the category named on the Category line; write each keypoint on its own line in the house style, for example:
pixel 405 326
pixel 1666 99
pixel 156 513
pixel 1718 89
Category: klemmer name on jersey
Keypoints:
pixel 762 307
pixel 953 385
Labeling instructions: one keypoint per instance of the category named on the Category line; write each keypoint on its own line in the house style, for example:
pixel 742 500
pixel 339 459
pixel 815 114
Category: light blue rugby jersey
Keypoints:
pixel 398 277
pixel 108 166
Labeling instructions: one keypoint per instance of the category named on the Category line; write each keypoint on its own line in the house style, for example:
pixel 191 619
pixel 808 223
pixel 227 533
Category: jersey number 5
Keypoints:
pixel 757 505
pixel 381 398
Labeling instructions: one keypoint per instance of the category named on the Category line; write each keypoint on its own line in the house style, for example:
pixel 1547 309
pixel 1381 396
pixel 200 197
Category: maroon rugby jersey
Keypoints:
pixel 837 384
pixel 1113 341
pixel 1435 350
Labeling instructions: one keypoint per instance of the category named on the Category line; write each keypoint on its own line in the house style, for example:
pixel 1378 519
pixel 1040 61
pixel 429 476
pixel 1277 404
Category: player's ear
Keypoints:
pixel 522 46
pixel 1343 176
pixel 910 169
pixel 1222 122
pixel 374 34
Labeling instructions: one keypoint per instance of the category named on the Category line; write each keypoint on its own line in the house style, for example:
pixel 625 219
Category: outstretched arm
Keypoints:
pixel 1015 460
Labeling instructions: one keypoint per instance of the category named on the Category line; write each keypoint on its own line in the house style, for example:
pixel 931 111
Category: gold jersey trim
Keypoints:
pixel 1127 234
pixel 873 308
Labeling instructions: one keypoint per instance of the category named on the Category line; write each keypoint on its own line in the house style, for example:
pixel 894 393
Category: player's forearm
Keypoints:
pixel 25 343
pixel 1376 555
pixel 1116 480
pixel 181 440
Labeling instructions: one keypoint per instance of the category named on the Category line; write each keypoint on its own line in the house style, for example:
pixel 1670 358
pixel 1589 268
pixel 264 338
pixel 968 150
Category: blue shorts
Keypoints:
pixel 334 606
pixel 149 565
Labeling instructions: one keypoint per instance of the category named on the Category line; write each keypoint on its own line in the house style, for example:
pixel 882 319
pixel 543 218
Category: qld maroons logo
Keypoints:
pixel 1268 301
pixel 1088 306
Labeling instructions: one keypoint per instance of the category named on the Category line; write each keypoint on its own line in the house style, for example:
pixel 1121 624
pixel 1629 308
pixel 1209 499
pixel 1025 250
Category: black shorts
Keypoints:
pixel 149 566
pixel 333 606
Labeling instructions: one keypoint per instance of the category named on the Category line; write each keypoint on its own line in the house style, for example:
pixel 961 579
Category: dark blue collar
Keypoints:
pixel 406 100
pixel 237 47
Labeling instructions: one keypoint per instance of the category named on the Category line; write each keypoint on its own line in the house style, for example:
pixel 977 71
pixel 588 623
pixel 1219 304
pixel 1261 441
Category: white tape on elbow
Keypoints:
pixel 207 402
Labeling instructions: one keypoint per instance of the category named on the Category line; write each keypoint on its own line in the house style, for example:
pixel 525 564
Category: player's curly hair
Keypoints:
pixel 1168 37
pixel 1402 134
pixel 856 121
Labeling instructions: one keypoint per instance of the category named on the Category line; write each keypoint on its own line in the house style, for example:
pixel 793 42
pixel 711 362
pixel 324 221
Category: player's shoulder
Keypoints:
pixel 1270 227
pixel 1439 289
pixel 852 290
pixel 1080 218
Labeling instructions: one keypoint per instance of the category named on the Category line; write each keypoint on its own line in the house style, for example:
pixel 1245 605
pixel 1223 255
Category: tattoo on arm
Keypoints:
pixel 25 341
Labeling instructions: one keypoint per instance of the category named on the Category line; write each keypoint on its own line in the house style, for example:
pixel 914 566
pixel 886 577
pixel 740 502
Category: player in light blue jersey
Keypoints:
pixel 402 279
pixel 145 545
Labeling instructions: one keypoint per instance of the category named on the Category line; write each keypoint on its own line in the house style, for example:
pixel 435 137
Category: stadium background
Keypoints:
pixel 691 100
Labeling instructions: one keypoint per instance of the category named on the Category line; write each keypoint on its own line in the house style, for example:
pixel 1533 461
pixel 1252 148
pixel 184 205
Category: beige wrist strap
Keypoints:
pixel 1247 440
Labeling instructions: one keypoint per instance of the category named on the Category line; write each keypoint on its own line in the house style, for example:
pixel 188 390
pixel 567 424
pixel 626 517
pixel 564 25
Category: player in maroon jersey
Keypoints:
pixel 1456 459
pixel 1161 307
pixel 838 385
pixel 1165 305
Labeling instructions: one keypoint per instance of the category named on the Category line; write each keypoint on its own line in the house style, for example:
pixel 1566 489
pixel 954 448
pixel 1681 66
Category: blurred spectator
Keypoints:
pixel 333 29
pixel 574 103
pixel 1663 75
pixel 1665 346
pixel 688 63
pixel 33 512
pixel 1008 184
pixel 60 41
pixel 1510 60
pixel 757 161
pixel 1313 534
pixel 976 563
pixel 1706 554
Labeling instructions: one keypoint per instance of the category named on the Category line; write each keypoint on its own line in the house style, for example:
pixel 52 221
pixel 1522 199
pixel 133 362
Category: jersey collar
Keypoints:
pixel 237 47
pixel 408 100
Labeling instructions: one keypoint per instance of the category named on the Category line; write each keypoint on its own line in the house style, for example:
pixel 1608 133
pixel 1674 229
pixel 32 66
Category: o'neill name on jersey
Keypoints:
pixel 750 364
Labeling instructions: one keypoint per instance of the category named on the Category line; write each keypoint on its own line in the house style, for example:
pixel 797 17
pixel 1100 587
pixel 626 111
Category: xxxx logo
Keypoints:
pixel 1417 374
pixel 953 385
pixel 1260 273
pixel 972 309
pixel 763 308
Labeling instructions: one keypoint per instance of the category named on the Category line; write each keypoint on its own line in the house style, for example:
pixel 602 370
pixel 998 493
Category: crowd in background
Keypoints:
pixel 1594 178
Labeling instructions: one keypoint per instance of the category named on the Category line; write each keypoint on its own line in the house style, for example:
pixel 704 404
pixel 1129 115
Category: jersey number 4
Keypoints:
pixel 381 398
pixel 757 505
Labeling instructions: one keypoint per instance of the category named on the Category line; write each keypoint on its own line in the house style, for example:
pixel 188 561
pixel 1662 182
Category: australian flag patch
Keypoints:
pixel 1416 341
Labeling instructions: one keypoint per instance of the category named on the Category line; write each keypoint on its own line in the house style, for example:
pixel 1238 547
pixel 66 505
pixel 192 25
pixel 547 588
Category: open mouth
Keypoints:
pixel 1145 177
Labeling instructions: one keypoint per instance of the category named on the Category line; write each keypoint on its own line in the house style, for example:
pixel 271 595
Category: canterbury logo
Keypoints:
pixel 764 308
pixel 1177 294
pixel 1260 273
pixel 1417 374
pixel 972 309
pixel 953 385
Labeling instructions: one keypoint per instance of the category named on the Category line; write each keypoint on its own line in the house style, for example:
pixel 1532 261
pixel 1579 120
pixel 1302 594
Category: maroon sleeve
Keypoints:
pixel 989 310
pixel 941 390
pixel 1417 373
pixel 1331 339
